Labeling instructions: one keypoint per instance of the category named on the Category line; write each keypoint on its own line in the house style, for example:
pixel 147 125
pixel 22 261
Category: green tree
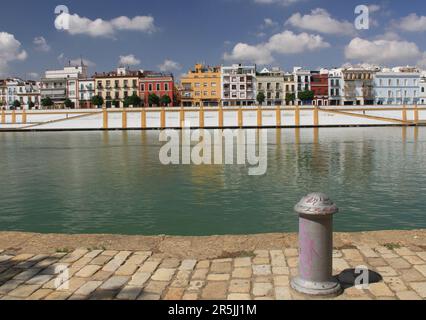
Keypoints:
pixel 154 100
pixel 115 103
pixel 306 95
pixel 97 101
pixel 68 104
pixel 260 98
pixel 133 100
pixel 47 102
pixel 31 105
pixel 290 97
pixel 16 104
pixel 165 100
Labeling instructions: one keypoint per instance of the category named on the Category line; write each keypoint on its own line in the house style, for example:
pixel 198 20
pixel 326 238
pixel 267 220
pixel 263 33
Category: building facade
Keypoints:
pixel 289 88
pixel 116 86
pixel 238 85
pixel 397 87
pixel 85 93
pixel 29 93
pixel 271 84
pixel 422 88
pixel 319 86
pixel 201 86
pixel 302 80
pixel 358 86
pixel 60 85
pixel 335 87
pixel 160 84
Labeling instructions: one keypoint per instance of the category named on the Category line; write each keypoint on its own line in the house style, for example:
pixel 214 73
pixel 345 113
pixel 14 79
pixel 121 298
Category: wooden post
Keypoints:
pixel 297 117
pixel 316 116
pixel 278 116
pixel 259 117
pixel 3 117
pixel 416 114
pixel 13 117
pixel 220 116
pixel 240 118
pixel 124 118
pixel 201 124
pixel 105 118
pixel 143 119
pixel 182 117
pixel 404 113
pixel 24 117
pixel 163 118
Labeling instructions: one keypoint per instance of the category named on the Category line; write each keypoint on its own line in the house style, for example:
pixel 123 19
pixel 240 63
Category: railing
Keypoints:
pixel 409 116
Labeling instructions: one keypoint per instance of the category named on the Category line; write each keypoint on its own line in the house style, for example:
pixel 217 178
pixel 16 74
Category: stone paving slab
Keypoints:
pixel 98 274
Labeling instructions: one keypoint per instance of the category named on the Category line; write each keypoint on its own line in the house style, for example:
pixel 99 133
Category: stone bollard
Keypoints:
pixel 316 246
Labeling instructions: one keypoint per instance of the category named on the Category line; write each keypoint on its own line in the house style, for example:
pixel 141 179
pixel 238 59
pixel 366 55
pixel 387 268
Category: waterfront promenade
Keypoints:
pixel 192 268
pixel 229 117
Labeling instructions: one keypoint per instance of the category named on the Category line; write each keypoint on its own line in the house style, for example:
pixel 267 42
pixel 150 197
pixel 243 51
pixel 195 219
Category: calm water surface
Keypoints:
pixel 96 182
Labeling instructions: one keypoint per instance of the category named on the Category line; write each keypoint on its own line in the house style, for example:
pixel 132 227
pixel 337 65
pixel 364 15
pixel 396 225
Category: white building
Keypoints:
pixel 302 80
pixel 336 86
pixel 397 86
pixel 29 92
pixel 422 89
pixel 85 92
pixel 60 85
pixel 238 85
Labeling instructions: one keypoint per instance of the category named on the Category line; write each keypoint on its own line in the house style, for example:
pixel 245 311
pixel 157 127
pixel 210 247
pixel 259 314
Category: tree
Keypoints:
pixel 260 98
pixel 68 104
pixel 31 105
pixel 165 100
pixel 16 104
pixel 306 95
pixel 153 100
pixel 47 102
pixel 133 100
pixel 97 101
pixel 290 97
pixel 115 103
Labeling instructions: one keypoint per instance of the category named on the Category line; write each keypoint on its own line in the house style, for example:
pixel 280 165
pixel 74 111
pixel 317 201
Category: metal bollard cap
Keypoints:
pixel 316 204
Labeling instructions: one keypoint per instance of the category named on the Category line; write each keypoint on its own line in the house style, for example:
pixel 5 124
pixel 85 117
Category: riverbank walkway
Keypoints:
pixel 212 268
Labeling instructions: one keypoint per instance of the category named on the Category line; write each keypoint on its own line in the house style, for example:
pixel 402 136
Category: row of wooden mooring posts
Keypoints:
pixel 202 111
pixel 13 115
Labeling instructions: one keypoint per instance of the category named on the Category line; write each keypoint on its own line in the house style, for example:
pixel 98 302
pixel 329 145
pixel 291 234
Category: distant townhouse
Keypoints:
pixel 59 85
pixel 115 86
pixel 159 84
pixel 29 94
pixel 12 91
pixel 271 83
pixel 302 80
pixel 289 89
pixel 85 93
pixel 201 86
pixel 3 94
pixel 238 85
pixel 422 98
pixel 397 86
pixel 335 87
pixel 358 86
pixel 319 86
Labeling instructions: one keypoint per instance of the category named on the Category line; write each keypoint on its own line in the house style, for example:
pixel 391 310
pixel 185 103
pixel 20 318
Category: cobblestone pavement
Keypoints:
pixel 142 275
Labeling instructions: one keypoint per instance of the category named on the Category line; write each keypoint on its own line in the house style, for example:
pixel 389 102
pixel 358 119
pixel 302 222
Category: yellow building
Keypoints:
pixel 201 87
pixel 115 86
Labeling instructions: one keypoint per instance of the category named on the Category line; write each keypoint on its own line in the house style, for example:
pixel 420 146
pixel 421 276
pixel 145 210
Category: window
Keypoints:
pixel 423 89
pixel 214 93
pixel 166 86
pixel 205 84
pixel 158 87
pixel 206 93
pixel 197 93
pixel 406 82
pixel 214 84
pixel 142 87
pixel 117 83
pixel 415 82
pixel 390 82
pixel 150 87
pixel 389 94
pixel 197 85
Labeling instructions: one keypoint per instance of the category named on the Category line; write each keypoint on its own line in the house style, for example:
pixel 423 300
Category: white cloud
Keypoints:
pixel 382 51
pixel 244 52
pixel 105 28
pixel 412 23
pixel 285 42
pixel 321 21
pixel 10 50
pixel 129 60
pixel 33 75
pixel 422 62
pixel 169 65
pixel 41 44
pixel 77 62
pixel 268 23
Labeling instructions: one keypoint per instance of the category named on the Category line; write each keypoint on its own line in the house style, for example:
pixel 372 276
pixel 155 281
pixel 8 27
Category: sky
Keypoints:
pixel 173 35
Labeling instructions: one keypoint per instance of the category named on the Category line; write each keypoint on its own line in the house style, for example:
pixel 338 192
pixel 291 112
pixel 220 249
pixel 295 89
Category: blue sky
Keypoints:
pixel 309 33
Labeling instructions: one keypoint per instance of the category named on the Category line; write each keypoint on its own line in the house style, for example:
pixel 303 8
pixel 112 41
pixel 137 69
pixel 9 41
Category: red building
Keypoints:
pixel 319 85
pixel 159 84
